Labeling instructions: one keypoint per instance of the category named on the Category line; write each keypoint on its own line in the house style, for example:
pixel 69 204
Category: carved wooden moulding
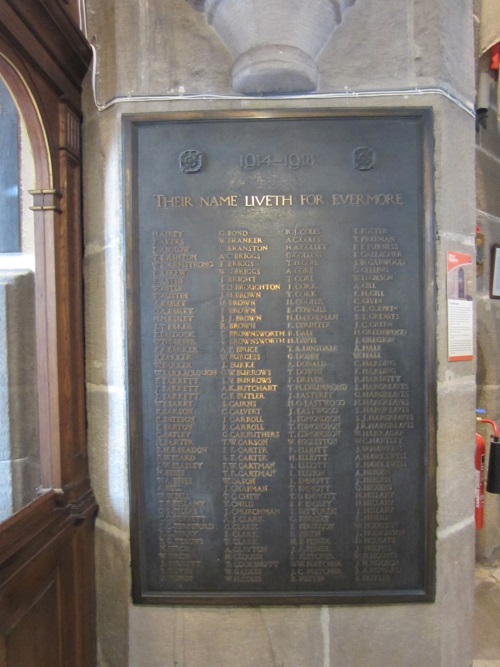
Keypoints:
pixel 275 45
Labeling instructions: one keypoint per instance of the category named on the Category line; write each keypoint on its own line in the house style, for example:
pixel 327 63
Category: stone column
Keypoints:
pixel 164 48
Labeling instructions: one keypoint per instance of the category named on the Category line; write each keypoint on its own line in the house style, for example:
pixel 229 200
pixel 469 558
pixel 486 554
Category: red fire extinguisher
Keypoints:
pixel 493 483
pixel 479 466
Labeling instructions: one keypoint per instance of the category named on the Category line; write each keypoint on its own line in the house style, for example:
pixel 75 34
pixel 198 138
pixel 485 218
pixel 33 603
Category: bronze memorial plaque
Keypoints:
pixel 281 346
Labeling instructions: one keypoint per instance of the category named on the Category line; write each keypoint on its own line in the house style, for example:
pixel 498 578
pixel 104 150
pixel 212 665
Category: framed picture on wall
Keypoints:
pixel 495 272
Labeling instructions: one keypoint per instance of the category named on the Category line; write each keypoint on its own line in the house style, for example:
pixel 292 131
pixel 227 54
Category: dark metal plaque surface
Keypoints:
pixel 281 358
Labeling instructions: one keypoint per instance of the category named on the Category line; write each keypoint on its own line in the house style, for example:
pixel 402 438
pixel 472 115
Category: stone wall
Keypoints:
pixel 19 448
pixel 488 310
pixel 164 48
pixel 488 369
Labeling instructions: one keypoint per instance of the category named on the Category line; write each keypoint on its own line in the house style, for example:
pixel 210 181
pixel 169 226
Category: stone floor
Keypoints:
pixel 487 617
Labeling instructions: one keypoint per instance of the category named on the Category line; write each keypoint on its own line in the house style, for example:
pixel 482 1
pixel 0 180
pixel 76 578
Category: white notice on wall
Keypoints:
pixel 460 330
pixel 460 309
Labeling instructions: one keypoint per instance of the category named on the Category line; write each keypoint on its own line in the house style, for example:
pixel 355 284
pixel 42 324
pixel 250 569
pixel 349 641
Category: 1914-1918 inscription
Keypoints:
pixel 281 351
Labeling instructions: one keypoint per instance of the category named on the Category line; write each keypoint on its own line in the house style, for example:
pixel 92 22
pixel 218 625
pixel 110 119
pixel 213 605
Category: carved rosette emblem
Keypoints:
pixel 364 158
pixel 190 162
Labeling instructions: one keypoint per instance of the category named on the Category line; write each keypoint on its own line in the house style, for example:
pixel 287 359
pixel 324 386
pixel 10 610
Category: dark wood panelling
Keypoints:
pixel 44 646
pixel 47 597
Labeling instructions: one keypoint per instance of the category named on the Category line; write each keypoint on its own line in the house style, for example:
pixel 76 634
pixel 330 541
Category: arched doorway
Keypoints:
pixel 46 526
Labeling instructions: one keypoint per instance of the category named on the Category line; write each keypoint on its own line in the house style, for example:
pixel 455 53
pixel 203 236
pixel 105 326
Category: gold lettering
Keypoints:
pixel 269 200
pixel 311 200
pixel 173 201
pixel 217 201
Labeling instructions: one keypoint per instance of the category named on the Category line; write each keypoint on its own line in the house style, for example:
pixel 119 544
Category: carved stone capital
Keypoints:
pixel 275 45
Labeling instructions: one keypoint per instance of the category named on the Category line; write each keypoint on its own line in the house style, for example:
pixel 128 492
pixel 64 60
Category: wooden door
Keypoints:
pixel 47 599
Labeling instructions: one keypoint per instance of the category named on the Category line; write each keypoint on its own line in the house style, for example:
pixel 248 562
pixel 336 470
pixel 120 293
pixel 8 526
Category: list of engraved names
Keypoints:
pixel 261 455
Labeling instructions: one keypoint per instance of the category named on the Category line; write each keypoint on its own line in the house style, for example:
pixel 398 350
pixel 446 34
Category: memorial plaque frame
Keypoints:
pixel 293 251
